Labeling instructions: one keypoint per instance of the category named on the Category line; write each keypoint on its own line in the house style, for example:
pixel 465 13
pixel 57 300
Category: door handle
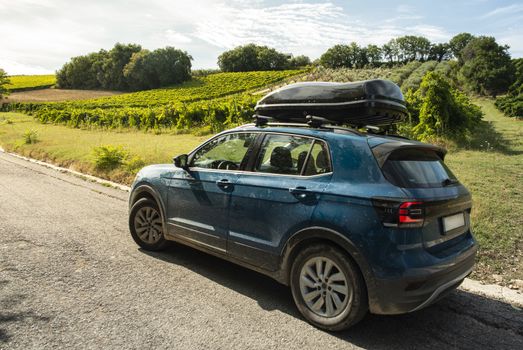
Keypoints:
pixel 300 192
pixel 224 184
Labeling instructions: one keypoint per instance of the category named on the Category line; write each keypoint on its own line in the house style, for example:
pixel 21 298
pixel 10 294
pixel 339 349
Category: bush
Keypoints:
pixel 109 157
pixel 438 109
pixel 30 137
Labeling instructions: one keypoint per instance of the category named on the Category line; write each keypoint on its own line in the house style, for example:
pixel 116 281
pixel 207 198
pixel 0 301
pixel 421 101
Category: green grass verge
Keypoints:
pixel 75 147
pixel 492 169
pixel 493 172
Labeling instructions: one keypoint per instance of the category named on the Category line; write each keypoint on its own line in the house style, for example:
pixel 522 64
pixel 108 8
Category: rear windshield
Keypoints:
pixel 417 168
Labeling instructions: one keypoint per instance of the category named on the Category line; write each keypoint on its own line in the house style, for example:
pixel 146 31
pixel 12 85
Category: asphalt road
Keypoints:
pixel 71 277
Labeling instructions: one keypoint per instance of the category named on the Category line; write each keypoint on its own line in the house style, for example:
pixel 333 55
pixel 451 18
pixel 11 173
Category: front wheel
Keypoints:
pixel 328 288
pixel 145 224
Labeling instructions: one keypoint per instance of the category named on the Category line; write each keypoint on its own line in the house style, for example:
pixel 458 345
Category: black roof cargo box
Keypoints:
pixel 371 102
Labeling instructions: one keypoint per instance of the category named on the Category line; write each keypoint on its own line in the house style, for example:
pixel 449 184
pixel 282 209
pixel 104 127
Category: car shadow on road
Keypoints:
pixel 461 320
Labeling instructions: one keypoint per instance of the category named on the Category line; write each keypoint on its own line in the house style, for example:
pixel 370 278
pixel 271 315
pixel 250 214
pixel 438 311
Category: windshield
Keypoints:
pixel 417 168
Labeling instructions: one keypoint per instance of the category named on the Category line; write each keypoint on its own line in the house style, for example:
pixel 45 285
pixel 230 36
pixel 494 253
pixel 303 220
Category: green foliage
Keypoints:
pixel 4 81
pixel 414 79
pixel 299 62
pixel 512 103
pixel 486 68
pixel 252 57
pixel 30 137
pixel 351 56
pixel 134 164
pixel 109 157
pixel 215 100
pixel 161 67
pixel 438 109
pixel 30 82
pixel 458 43
pixel 125 67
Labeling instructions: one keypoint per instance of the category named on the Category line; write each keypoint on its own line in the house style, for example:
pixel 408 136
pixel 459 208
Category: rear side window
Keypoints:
pixel 292 155
pixel 417 168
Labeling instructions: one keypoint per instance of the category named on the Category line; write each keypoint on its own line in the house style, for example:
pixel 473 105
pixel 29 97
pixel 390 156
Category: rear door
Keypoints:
pixel 424 177
pixel 277 197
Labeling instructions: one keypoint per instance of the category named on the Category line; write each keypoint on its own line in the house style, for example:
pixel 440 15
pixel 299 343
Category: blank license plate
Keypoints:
pixel 453 221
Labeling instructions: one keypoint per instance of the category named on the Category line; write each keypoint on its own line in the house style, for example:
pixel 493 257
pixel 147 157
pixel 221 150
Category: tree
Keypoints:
pixel 373 55
pixel 487 68
pixel 338 56
pixel 413 47
pixel 4 80
pixel 345 56
pixel 458 43
pixel 162 67
pixel 440 52
pixel 299 61
pixel 252 57
pixel 112 67
pixel 391 51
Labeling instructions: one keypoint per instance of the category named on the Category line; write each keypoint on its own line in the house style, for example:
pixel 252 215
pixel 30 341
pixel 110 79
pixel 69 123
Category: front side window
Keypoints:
pixel 227 152
pixel 288 154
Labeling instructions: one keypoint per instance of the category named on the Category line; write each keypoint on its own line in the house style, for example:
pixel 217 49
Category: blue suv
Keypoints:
pixel 351 221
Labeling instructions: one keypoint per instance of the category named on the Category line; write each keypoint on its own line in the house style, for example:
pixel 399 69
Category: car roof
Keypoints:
pixel 324 133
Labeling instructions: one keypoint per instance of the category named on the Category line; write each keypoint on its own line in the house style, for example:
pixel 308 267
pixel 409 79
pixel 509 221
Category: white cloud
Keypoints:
pixel 505 10
pixel 45 33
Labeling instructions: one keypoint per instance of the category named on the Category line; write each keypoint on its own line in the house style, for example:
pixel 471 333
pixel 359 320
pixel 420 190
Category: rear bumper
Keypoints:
pixel 420 287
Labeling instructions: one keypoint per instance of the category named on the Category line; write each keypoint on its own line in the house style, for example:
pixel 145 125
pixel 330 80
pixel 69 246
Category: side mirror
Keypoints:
pixel 181 161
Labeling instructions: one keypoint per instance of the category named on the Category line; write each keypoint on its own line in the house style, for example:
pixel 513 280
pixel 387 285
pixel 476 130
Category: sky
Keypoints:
pixel 39 36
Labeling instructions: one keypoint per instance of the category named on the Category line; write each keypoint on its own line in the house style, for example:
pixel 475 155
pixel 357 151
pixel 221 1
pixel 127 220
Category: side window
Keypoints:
pixel 227 152
pixel 283 154
pixel 319 160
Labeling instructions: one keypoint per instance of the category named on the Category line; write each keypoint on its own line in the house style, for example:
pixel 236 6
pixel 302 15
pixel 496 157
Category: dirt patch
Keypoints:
pixel 51 95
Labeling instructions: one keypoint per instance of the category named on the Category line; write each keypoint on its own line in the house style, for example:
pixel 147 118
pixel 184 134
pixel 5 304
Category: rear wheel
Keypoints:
pixel 145 224
pixel 327 288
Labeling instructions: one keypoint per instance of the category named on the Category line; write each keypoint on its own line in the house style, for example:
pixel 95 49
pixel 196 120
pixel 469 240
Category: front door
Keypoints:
pixel 277 198
pixel 199 198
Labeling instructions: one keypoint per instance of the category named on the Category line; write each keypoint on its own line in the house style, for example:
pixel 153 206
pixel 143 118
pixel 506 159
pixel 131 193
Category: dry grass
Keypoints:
pixel 53 95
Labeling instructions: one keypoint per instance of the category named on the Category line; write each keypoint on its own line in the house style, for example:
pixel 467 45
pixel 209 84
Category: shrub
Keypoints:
pixel 109 157
pixel 30 137
pixel 134 164
pixel 438 109
pixel 252 57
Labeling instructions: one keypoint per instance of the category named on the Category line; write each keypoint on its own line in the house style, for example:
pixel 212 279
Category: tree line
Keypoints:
pixel 125 67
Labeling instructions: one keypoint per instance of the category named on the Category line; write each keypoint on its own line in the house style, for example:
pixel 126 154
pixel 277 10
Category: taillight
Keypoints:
pixel 394 213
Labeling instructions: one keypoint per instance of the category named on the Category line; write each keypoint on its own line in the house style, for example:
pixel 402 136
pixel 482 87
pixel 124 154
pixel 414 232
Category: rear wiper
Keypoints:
pixel 448 182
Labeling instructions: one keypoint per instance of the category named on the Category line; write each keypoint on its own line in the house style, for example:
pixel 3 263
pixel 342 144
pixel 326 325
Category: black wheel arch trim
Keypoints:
pixel 326 234
pixel 151 191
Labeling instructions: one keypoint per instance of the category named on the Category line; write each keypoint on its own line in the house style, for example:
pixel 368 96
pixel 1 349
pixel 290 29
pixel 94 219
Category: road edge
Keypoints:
pixel 493 291
pixel 75 173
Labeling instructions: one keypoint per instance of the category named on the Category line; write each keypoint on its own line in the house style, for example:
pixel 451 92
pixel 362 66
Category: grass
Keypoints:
pixel 493 171
pixel 491 166
pixel 30 82
pixel 75 148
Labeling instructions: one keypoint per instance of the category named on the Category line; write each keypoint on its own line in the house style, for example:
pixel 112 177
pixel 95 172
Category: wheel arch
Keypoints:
pixel 147 191
pixel 315 235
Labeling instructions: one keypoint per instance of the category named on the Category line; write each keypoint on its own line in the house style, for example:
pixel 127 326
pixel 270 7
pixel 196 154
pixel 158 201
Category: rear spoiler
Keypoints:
pixel 383 150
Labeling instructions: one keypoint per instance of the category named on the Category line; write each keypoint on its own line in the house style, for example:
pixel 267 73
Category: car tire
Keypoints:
pixel 146 226
pixel 328 288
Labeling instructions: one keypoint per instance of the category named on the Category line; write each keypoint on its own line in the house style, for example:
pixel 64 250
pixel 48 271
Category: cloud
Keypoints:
pixel 506 10
pixel 44 34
